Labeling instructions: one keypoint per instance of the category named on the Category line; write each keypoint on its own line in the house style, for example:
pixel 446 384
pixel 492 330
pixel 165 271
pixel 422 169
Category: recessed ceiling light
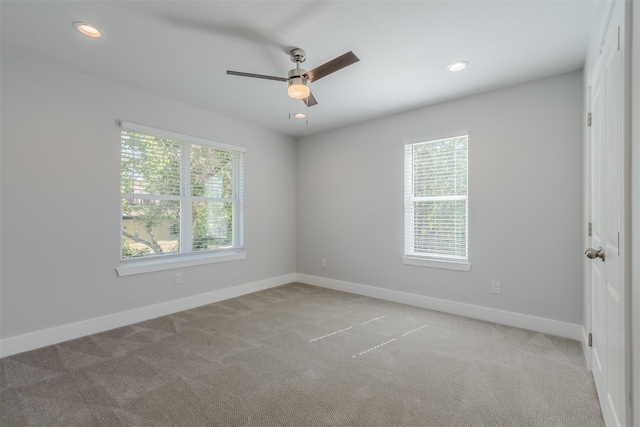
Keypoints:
pixel 87 29
pixel 299 115
pixel 457 66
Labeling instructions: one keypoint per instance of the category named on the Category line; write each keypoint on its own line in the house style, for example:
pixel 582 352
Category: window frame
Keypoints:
pixel 430 260
pixel 138 265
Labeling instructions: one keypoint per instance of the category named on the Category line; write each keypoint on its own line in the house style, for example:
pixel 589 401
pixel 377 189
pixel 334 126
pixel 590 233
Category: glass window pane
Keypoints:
pixel 212 225
pixel 440 167
pixel 436 176
pixel 149 165
pixel 150 227
pixel 211 172
pixel 440 227
pixel 160 174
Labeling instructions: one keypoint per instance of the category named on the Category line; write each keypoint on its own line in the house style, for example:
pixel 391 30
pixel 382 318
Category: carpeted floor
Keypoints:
pixel 301 356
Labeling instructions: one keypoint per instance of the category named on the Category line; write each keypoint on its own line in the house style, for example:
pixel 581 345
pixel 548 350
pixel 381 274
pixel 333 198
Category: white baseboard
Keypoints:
pixel 33 340
pixel 532 323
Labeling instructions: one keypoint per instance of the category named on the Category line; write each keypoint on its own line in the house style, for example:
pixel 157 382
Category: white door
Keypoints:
pixel 607 198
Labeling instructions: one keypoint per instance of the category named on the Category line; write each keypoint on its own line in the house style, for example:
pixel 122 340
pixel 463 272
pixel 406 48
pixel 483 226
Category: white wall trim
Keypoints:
pixel 33 340
pixel 139 266
pixel 538 324
pixel 436 263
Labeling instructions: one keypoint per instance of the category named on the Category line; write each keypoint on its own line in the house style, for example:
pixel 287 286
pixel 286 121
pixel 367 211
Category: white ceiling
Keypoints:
pixel 182 49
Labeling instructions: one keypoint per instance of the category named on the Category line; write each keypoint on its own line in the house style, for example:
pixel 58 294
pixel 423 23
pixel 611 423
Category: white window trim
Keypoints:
pixel 134 266
pixel 138 266
pixel 178 136
pixel 431 261
pixel 436 263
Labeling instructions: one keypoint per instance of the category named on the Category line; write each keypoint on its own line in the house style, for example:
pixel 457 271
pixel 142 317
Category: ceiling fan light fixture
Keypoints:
pixel 298 88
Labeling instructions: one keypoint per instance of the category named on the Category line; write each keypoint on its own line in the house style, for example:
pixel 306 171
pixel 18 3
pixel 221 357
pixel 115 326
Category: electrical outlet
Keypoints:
pixel 323 263
pixel 495 288
pixel 177 278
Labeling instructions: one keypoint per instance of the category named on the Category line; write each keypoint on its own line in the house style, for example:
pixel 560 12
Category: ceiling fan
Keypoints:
pixel 298 78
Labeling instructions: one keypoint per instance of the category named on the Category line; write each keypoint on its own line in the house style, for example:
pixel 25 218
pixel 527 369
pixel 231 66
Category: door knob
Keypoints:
pixel 595 253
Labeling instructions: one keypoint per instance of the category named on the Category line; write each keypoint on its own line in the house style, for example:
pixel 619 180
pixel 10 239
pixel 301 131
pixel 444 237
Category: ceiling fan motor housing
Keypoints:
pixel 297 73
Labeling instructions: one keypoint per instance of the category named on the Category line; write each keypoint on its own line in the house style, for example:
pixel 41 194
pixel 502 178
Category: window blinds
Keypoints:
pixel 436 224
pixel 179 195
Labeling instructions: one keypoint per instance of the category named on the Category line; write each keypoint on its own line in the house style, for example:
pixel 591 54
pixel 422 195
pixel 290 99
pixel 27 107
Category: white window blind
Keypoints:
pixel 180 194
pixel 435 199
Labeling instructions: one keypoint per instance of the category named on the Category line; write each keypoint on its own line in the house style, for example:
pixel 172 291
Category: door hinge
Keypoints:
pixel 618 37
pixel 589 119
pixel 590 339
pixel 590 229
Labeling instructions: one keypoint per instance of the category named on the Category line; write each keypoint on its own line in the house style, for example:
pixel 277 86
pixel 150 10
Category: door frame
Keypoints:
pixel 634 73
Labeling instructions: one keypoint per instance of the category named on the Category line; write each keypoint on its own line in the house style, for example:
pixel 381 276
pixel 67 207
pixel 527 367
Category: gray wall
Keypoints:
pixel 336 195
pixel 60 198
pixel 525 200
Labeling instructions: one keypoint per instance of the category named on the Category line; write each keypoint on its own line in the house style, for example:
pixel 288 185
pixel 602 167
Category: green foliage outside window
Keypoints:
pixel 164 181
pixel 437 198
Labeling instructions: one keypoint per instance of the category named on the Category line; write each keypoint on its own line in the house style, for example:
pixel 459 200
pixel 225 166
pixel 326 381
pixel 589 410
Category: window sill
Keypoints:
pixel 140 266
pixel 448 265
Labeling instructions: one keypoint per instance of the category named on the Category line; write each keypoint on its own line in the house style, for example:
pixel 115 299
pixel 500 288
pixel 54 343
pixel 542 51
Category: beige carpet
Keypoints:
pixel 298 356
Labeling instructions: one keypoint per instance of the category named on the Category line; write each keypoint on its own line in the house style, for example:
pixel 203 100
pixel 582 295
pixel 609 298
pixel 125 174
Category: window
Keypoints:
pixel 180 195
pixel 435 202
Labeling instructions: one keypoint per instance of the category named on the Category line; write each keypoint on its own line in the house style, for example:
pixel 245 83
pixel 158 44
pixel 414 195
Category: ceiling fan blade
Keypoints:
pixel 332 66
pixel 310 100
pixel 256 76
